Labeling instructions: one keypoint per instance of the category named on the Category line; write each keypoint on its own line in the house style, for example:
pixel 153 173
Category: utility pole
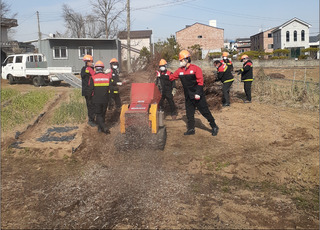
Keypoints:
pixel 39 34
pixel 128 38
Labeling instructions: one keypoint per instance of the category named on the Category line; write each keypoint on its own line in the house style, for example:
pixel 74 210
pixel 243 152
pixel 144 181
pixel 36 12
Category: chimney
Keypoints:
pixel 213 23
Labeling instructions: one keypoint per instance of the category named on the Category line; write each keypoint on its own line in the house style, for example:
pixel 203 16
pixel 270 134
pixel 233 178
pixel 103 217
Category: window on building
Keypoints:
pixel 270 46
pixel 18 59
pixel 199 36
pixel 295 36
pixel 287 36
pixel 269 35
pixel 302 35
pixel 84 50
pixel 60 53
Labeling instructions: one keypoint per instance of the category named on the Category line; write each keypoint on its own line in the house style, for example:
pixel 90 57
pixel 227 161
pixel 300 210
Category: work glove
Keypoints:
pixel 238 71
pixel 119 83
pixel 158 73
pixel 174 90
pixel 107 71
pixel 197 97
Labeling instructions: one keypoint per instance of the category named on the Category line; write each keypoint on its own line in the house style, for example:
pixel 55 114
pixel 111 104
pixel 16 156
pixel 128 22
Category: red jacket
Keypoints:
pixel 224 73
pixel 191 78
pixel 99 85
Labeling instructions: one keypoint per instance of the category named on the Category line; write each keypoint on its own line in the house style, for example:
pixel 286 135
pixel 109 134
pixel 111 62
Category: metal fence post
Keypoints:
pixel 294 77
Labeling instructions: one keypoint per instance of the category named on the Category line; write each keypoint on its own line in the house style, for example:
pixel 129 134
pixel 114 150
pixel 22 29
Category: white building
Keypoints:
pixel 292 35
pixel 138 40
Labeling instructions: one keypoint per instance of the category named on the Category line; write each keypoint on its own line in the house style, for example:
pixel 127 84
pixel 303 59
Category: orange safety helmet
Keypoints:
pixel 184 54
pixel 162 62
pixel 225 54
pixel 87 57
pixel 99 64
pixel 244 56
pixel 113 60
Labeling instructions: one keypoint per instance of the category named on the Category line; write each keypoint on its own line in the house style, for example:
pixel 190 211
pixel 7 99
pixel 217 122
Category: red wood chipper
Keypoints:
pixel 141 122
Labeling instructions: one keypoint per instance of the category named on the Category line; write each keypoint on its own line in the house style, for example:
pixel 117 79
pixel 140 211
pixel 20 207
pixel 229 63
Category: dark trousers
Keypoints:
pixel 100 111
pixel 117 100
pixel 191 105
pixel 247 89
pixel 169 98
pixel 90 108
pixel 225 91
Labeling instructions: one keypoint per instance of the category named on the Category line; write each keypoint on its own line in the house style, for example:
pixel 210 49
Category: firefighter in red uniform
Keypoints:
pixel 246 76
pixel 227 61
pixel 115 81
pixel 86 73
pixel 166 87
pixel 225 76
pixel 192 81
pixel 99 86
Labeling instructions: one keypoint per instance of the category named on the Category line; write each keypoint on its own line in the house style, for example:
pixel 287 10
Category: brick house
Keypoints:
pixel 262 41
pixel 243 45
pixel 138 40
pixel 209 37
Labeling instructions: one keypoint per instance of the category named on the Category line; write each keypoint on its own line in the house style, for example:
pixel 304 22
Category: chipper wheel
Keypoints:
pixel 161 138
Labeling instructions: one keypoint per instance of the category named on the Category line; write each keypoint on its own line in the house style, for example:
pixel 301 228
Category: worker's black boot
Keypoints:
pixel 106 130
pixel 92 123
pixel 215 128
pixel 190 132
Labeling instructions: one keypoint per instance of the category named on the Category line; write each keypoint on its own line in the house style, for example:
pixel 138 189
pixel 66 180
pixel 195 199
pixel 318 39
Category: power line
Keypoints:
pixel 178 2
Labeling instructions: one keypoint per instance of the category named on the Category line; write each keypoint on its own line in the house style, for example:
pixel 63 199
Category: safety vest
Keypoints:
pixel 101 79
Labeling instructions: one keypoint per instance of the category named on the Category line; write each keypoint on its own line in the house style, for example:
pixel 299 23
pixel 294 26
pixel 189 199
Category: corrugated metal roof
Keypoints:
pixel 135 34
pixel 314 38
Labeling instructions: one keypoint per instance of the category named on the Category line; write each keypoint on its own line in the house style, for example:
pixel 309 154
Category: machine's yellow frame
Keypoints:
pixel 153 117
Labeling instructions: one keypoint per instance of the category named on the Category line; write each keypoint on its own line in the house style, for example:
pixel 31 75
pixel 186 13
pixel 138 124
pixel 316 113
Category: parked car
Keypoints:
pixel 32 67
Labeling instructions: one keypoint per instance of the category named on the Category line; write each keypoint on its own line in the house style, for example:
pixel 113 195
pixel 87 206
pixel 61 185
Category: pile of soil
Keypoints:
pixel 277 75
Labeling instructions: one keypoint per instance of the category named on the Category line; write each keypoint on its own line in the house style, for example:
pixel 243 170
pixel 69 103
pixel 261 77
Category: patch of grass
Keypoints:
pixel 195 187
pixel 300 202
pixel 26 150
pixel 6 94
pixel 225 189
pixel 23 108
pixel 210 167
pixel 51 154
pixel 65 157
pixel 10 150
pixel 221 165
pixel 207 159
pixel 74 111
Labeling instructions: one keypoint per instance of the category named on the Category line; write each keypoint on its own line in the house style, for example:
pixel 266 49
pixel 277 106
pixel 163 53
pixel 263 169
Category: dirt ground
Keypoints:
pixel 260 172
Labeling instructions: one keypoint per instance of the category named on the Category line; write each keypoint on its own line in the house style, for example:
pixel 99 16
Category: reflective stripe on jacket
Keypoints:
pixel 99 85
pixel 246 71
pixel 224 73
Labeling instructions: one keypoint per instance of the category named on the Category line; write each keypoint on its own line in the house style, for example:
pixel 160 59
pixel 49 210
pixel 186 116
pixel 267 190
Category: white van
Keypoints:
pixel 18 67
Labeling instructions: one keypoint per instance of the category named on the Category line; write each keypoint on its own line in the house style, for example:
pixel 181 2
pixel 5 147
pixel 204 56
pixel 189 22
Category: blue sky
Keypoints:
pixel 238 18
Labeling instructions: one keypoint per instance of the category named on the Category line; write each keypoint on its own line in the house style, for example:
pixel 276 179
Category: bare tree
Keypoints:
pixel 5 9
pixel 74 22
pixel 108 14
pixel 94 28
